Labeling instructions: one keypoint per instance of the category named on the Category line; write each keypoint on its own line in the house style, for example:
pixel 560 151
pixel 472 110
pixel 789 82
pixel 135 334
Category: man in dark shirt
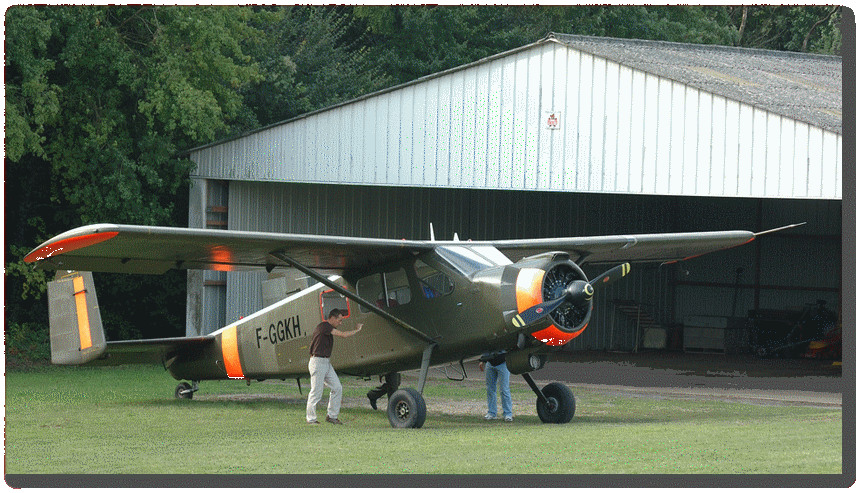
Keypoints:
pixel 322 373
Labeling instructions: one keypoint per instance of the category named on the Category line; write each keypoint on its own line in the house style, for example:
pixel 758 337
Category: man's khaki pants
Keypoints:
pixel 322 374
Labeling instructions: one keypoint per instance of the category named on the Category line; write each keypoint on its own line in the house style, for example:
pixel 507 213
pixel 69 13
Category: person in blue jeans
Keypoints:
pixel 493 366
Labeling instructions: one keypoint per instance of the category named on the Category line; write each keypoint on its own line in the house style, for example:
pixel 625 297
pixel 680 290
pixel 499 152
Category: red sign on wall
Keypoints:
pixel 553 120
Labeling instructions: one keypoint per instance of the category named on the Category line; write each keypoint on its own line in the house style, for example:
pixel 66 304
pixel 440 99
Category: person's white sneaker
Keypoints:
pixel 489 416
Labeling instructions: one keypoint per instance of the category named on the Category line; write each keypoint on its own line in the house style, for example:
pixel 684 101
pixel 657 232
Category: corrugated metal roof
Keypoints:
pixel 801 86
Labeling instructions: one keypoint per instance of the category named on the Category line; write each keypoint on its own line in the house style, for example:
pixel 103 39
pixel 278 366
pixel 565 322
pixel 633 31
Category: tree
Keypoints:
pixel 309 58
pixel 413 41
pixel 788 28
pixel 681 24
pixel 409 42
pixel 100 102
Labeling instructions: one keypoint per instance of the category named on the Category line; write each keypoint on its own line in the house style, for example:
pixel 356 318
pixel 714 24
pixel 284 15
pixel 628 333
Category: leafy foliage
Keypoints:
pixel 790 28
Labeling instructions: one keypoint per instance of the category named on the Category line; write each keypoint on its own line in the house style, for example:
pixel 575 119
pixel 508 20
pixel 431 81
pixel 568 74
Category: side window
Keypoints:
pixel 387 290
pixel 330 300
pixel 398 288
pixel 433 282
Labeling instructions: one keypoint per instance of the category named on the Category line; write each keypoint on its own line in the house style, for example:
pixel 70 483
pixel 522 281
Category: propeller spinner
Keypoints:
pixel 577 293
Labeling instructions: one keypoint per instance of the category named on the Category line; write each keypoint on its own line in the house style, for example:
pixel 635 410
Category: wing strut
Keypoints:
pixel 340 290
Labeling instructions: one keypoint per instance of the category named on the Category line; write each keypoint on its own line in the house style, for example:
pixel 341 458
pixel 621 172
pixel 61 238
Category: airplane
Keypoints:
pixel 422 303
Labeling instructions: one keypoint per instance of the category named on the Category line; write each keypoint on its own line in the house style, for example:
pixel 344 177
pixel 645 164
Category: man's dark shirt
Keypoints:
pixel 322 340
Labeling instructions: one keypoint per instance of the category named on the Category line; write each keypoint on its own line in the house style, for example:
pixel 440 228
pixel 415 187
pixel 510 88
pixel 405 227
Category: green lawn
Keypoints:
pixel 126 421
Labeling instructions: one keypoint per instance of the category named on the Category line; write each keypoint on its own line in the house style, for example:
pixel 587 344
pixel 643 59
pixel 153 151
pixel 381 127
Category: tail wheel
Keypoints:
pixel 407 409
pixel 560 404
pixel 183 391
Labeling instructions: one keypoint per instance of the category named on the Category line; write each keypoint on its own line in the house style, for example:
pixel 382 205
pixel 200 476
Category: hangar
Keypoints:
pixel 568 136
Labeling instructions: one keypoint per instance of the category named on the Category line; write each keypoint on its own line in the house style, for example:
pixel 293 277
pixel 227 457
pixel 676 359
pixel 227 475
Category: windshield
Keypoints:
pixel 471 259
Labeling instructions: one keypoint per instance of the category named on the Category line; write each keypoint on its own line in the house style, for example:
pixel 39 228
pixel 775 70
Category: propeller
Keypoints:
pixel 577 293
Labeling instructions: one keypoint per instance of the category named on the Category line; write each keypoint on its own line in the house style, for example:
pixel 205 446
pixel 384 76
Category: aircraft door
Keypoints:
pixel 436 303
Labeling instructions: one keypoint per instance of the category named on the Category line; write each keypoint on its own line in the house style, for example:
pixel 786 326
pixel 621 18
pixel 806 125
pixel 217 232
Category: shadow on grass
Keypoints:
pixel 602 414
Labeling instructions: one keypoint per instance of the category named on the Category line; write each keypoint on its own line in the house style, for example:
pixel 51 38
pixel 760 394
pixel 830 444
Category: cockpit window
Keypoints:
pixel 433 282
pixel 472 258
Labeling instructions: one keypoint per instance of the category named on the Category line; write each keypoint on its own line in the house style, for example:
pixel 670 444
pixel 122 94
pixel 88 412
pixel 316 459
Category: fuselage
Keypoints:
pixel 463 300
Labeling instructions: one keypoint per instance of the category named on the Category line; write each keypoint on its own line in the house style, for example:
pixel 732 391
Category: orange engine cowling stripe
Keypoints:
pixel 552 336
pixel 528 288
pixel 83 316
pixel 230 352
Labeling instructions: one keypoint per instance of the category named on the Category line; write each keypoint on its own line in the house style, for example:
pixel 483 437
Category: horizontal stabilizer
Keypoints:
pixel 75 322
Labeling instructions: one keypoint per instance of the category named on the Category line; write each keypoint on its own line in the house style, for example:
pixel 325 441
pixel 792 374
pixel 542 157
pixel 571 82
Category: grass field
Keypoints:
pixel 125 421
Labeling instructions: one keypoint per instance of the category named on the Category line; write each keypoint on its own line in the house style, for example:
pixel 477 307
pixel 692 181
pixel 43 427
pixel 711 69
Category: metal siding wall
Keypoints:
pixel 623 131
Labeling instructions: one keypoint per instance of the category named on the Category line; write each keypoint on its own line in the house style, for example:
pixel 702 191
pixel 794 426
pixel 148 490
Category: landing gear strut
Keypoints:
pixel 555 402
pixel 407 406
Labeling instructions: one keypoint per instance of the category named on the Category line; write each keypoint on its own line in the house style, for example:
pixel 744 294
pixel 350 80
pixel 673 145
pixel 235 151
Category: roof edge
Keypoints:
pixel 561 37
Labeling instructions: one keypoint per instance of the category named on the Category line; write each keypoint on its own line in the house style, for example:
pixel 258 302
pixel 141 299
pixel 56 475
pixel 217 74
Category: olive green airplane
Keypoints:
pixel 422 303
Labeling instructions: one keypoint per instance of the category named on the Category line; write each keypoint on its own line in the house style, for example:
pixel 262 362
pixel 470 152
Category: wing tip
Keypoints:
pixel 67 245
pixel 788 226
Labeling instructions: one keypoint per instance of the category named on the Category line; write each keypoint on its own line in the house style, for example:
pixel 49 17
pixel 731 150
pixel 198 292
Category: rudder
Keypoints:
pixel 77 336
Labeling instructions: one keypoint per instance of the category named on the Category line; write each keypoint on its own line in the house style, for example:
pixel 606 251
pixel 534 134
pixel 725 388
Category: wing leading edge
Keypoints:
pixel 154 250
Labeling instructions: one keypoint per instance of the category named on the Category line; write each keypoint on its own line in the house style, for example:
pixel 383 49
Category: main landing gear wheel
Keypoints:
pixel 559 407
pixel 407 409
pixel 183 391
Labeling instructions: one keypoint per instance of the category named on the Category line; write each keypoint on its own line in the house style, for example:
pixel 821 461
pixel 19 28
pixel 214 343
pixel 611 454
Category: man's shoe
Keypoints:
pixel 489 416
pixel 509 418
pixel 315 422
pixel 334 421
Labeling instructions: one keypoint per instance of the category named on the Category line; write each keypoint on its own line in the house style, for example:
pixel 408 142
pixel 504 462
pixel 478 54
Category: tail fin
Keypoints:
pixel 77 336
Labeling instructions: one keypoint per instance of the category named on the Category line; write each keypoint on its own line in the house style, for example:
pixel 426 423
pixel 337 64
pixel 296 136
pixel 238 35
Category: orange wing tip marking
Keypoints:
pixel 69 245
pixel 552 336
pixel 230 352
pixel 83 316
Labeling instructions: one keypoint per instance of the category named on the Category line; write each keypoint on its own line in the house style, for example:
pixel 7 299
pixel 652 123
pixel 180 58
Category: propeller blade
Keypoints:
pixel 535 312
pixel 611 275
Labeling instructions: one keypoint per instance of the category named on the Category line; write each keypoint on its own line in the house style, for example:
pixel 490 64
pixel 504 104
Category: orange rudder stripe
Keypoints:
pixel 83 316
pixel 230 352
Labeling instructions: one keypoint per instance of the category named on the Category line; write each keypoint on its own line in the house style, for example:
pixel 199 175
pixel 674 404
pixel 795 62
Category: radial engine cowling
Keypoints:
pixel 543 278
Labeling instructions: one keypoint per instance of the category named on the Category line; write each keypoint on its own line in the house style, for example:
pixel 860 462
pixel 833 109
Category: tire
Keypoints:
pixel 178 393
pixel 562 404
pixel 407 409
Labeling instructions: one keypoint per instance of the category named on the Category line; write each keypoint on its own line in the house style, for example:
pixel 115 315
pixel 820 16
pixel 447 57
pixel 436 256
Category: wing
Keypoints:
pixel 663 247
pixel 148 351
pixel 668 247
pixel 154 250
